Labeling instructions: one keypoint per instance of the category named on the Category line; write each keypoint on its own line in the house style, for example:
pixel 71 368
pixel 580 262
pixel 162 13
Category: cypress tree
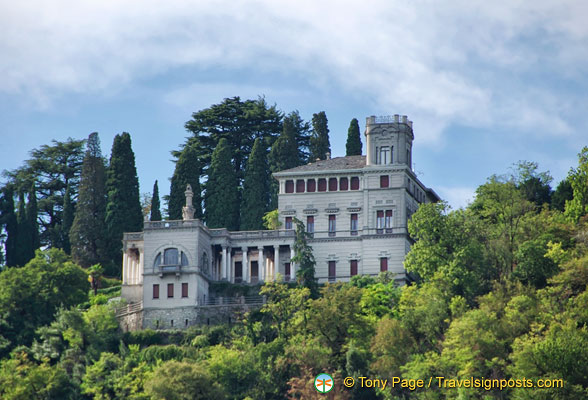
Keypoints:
pixel 67 219
pixel 24 238
pixel 88 231
pixel 255 189
pixel 155 212
pixel 353 145
pixel 301 133
pixel 11 226
pixel 187 171
pixel 32 218
pixel 283 155
pixel 319 141
pixel 222 197
pixel 123 210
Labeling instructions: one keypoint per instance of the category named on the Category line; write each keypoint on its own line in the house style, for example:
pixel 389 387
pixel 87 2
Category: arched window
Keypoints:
pixel 170 256
pixel 157 262
pixel 184 259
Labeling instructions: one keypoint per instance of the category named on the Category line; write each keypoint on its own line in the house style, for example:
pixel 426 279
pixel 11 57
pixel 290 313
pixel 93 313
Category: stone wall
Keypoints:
pixel 184 317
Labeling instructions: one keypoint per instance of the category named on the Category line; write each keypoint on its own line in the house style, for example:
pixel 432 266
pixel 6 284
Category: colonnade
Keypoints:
pixel 267 267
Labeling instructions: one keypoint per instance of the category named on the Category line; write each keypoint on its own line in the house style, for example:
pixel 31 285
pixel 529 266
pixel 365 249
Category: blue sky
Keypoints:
pixel 486 83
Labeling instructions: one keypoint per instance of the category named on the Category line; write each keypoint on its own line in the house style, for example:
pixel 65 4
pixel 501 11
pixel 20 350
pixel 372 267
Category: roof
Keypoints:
pixel 337 163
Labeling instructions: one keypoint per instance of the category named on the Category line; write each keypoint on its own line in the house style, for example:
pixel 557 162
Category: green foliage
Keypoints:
pixel 255 197
pixel 222 197
pixel 25 234
pixel 123 209
pixel 52 168
pixel 88 234
pixel 29 296
pixel 175 380
pixel 353 145
pixel 563 193
pixel 155 207
pixel 187 172
pixel 304 259
pixel 283 155
pixel 9 220
pixel 282 304
pixel 67 220
pixel 319 140
pixel 578 177
pixel 271 220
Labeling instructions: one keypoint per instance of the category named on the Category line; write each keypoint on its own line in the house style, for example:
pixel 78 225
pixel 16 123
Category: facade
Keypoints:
pixel 355 207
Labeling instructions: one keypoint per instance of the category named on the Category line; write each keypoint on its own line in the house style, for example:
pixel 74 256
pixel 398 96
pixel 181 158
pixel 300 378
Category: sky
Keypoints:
pixel 486 83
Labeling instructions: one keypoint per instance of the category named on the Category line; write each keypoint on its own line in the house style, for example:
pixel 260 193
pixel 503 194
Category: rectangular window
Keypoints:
pixel 388 221
pixel 311 185
pixel 287 271
pixel 353 226
pixel 289 186
pixel 384 155
pixel 332 184
pixel 170 290
pixel 380 221
pixel 384 181
pixel 288 223
pixel 310 224
pixel 355 183
pixel 300 186
pixel 353 267
pixel 184 289
pixel 391 154
pixel 343 184
pixel 238 271
pixel 332 271
pixel 322 185
pixel 383 264
pixel 332 225
pixel 156 291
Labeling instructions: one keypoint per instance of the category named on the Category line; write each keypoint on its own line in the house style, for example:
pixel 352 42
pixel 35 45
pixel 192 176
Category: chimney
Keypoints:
pixel 328 155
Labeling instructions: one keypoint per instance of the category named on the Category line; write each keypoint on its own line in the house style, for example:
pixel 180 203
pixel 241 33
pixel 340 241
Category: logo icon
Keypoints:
pixel 324 383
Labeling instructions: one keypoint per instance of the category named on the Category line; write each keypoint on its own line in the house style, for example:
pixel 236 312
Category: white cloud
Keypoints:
pixel 442 63
pixel 456 196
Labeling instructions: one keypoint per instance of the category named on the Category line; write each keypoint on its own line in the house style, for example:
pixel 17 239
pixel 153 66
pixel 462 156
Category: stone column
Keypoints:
pixel 125 269
pixel 261 264
pixel 245 262
pixel 276 260
pixel 224 263
pixel 140 267
pixel 292 265
pixel 231 274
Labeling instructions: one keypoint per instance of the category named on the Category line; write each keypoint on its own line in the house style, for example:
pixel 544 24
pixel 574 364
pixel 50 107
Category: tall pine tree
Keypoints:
pixel 67 219
pixel 88 234
pixel 155 207
pixel 319 141
pixel 24 238
pixel 123 210
pixel 11 226
pixel 301 133
pixel 255 189
pixel 221 199
pixel 353 145
pixel 32 214
pixel 187 172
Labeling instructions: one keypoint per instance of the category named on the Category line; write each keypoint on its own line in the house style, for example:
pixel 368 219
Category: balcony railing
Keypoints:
pixel 169 269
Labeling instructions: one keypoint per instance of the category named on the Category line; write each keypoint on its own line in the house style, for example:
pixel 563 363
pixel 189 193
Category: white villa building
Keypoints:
pixel 355 207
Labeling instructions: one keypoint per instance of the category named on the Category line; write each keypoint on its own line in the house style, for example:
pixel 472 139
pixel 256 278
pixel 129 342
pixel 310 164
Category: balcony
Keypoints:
pixel 169 269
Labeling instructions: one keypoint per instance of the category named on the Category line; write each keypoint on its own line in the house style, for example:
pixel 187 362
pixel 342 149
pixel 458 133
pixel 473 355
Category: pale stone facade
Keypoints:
pixel 356 208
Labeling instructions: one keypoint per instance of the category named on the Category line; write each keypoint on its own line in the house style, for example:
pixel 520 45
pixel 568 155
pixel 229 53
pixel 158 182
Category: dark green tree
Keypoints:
pixel 319 140
pixel 578 177
pixel 155 208
pixel 240 123
pixel 563 193
pixel 255 189
pixel 187 172
pixel 301 132
pixel 52 168
pixel 283 155
pixel 88 234
pixel 24 241
pixel 221 199
pixel 32 217
pixel 67 219
pixel 353 145
pixel 9 220
pixel 123 209
pixel 304 259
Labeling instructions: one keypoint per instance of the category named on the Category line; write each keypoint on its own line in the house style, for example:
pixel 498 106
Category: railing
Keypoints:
pixel 235 301
pixel 133 236
pixel 170 224
pixel 129 309
pixel 262 234
pixel 169 269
